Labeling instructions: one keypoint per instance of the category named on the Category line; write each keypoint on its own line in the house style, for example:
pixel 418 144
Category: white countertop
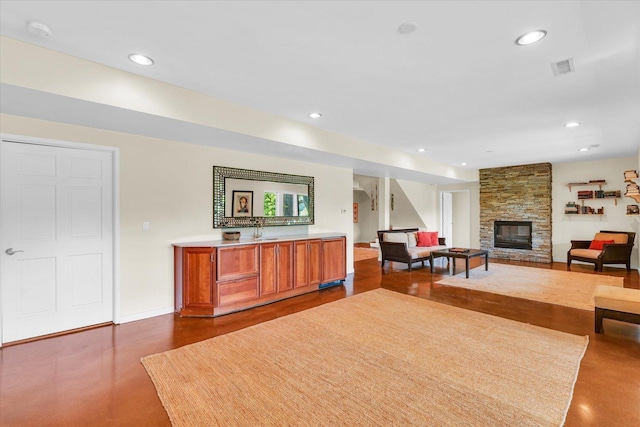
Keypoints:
pixel 263 239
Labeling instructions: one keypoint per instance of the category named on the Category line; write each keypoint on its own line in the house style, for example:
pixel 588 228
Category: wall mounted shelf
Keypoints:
pixel 594 183
pixel 595 194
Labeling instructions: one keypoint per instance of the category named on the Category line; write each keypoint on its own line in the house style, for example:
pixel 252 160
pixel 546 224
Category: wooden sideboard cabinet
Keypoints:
pixel 195 272
pixel 222 277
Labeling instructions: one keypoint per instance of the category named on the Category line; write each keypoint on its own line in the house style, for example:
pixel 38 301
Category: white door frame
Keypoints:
pixel 444 206
pixel 115 153
pixel 453 207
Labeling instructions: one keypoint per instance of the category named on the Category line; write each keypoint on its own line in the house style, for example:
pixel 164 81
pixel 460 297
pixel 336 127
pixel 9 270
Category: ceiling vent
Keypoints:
pixel 563 67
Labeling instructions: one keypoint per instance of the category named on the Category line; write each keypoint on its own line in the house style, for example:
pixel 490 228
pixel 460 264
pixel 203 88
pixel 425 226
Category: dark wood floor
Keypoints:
pixel 94 377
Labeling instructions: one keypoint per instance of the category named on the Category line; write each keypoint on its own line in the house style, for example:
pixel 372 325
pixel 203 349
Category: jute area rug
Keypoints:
pixel 360 254
pixel 374 359
pixel 551 286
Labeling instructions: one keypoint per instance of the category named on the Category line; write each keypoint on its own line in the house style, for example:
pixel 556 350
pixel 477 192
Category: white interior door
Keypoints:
pixel 57 239
pixel 447 217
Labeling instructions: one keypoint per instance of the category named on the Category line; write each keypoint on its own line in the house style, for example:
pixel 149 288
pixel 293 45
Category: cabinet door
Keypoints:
pixel 301 259
pixel 285 266
pixel 307 263
pixel 235 262
pixel 315 262
pixel 198 273
pixel 268 268
pixel 334 264
pixel 237 291
pixel 276 267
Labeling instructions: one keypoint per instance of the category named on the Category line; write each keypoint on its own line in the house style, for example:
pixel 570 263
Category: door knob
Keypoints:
pixel 12 251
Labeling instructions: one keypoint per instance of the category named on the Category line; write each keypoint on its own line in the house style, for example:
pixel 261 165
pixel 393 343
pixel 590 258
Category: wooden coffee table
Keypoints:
pixel 465 254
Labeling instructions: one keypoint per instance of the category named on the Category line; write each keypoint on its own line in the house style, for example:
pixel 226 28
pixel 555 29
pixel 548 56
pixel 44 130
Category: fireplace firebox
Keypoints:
pixel 512 234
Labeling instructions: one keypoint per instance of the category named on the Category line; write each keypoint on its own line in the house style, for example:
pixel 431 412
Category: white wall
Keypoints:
pixel 419 205
pixel 404 213
pixel 464 209
pixel 170 185
pixel 461 209
pixel 583 227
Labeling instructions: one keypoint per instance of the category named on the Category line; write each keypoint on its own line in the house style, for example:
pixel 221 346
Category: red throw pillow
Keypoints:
pixel 433 238
pixel 423 239
pixel 598 244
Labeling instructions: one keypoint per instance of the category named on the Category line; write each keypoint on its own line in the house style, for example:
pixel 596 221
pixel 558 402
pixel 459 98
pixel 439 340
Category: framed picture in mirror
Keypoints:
pixel 242 203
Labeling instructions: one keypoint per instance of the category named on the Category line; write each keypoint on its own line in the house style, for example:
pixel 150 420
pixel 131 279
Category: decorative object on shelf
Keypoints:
pixel 585 194
pixel 571 208
pixel 231 235
pixel 633 210
pixel 601 194
pixel 588 210
pixel 633 191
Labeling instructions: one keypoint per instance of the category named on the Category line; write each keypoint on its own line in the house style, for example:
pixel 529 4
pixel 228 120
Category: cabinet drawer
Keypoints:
pixel 237 261
pixel 235 291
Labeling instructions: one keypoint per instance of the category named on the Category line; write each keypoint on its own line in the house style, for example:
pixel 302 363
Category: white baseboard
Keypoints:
pixel 145 315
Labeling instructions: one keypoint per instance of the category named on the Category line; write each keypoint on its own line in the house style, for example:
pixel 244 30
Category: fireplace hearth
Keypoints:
pixel 512 234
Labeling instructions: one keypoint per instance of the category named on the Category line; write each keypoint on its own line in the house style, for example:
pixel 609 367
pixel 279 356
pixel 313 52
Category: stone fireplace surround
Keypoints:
pixel 517 193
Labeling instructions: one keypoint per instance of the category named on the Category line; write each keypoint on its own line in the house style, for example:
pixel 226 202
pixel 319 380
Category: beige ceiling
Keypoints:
pixel 458 86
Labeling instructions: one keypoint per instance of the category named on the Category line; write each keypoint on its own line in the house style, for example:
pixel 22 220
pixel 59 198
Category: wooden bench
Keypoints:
pixel 616 303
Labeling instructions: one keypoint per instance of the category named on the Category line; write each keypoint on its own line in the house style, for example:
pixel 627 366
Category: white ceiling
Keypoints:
pixel 458 86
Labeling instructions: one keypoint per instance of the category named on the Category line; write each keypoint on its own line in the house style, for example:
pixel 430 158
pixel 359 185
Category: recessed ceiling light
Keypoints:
pixel 530 37
pixel 463 164
pixel 421 150
pixel 584 149
pixel 407 28
pixel 571 124
pixel 315 115
pixel 140 59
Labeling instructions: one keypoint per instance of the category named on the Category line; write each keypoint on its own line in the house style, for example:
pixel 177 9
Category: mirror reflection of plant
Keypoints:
pixel 269 204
